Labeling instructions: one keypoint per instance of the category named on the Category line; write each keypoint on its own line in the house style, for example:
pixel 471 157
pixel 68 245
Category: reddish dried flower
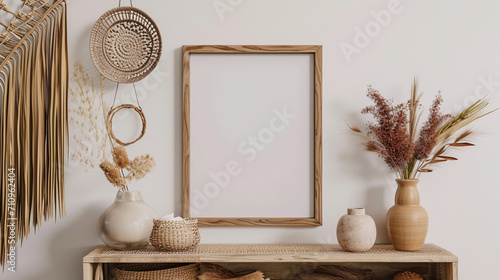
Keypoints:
pixel 389 132
pixel 427 138
pixel 393 134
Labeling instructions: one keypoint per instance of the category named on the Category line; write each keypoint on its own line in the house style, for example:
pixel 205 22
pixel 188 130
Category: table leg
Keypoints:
pixel 88 271
pixel 449 271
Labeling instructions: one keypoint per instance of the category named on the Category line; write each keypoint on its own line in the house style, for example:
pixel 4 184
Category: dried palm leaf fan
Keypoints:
pixel 33 117
pixel 125 44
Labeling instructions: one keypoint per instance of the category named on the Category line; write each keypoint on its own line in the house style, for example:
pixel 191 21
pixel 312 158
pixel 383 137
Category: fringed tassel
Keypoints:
pixel 33 124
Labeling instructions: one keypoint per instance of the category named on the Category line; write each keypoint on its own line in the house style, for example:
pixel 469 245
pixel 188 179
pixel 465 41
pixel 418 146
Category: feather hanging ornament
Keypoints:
pixel 33 117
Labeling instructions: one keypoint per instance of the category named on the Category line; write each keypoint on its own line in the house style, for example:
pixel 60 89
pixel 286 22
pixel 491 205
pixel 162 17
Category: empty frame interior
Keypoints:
pixel 252 135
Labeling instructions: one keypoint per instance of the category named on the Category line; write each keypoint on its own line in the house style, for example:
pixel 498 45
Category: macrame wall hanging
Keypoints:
pixel 125 47
pixel 33 117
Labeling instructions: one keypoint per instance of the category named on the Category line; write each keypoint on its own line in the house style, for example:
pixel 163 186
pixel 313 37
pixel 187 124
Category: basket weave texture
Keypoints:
pixel 125 45
pixel 175 235
pixel 156 271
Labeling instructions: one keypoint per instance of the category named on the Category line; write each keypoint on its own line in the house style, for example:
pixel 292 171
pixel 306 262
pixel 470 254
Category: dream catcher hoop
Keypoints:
pixel 125 47
pixel 113 110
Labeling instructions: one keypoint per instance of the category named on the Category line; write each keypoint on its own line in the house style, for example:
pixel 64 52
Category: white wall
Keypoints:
pixel 450 45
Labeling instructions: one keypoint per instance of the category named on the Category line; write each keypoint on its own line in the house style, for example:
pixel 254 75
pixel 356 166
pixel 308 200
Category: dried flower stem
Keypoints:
pixel 137 168
pixel 389 134
pixel 84 115
pixel 394 135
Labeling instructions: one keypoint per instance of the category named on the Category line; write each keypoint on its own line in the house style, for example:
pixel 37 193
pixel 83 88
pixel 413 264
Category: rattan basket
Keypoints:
pixel 175 235
pixel 156 271
pixel 125 45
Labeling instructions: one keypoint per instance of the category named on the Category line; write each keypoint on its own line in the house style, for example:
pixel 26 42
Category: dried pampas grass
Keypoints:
pixel 141 166
pixel 86 109
pixel 137 169
pixel 113 175
pixel 120 157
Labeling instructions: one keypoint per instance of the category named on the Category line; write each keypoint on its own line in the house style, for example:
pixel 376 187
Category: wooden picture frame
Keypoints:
pixel 314 52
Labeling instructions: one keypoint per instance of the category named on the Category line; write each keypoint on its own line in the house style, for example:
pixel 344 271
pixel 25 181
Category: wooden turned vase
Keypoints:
pixel 407 221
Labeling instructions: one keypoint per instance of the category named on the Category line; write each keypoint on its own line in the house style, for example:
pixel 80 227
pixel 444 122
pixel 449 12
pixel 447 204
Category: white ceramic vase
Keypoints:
pixel 356 232
pixel 127 223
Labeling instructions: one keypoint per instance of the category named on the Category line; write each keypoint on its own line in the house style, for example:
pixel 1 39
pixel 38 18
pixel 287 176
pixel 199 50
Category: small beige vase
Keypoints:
pixel 127 223
pixel 356 232
pixel 407 221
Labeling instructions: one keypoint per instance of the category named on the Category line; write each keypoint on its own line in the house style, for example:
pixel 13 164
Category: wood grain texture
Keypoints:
pixel 450 271
pixel 185 132
pixel 210 49
pixel 88 271
pixel 271 222
pixel 318 132
pixel 407 222
pixel 316 50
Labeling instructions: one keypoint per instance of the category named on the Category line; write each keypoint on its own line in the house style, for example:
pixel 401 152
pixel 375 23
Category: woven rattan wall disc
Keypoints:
pixel 125 45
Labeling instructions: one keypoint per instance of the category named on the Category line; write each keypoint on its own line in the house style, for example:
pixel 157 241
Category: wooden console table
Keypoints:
pixel 283 261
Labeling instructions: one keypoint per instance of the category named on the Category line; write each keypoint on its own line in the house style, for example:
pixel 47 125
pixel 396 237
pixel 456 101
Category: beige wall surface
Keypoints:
pixel 453 46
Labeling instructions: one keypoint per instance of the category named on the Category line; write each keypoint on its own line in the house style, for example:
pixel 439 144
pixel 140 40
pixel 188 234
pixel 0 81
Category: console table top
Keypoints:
pixel 271 253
